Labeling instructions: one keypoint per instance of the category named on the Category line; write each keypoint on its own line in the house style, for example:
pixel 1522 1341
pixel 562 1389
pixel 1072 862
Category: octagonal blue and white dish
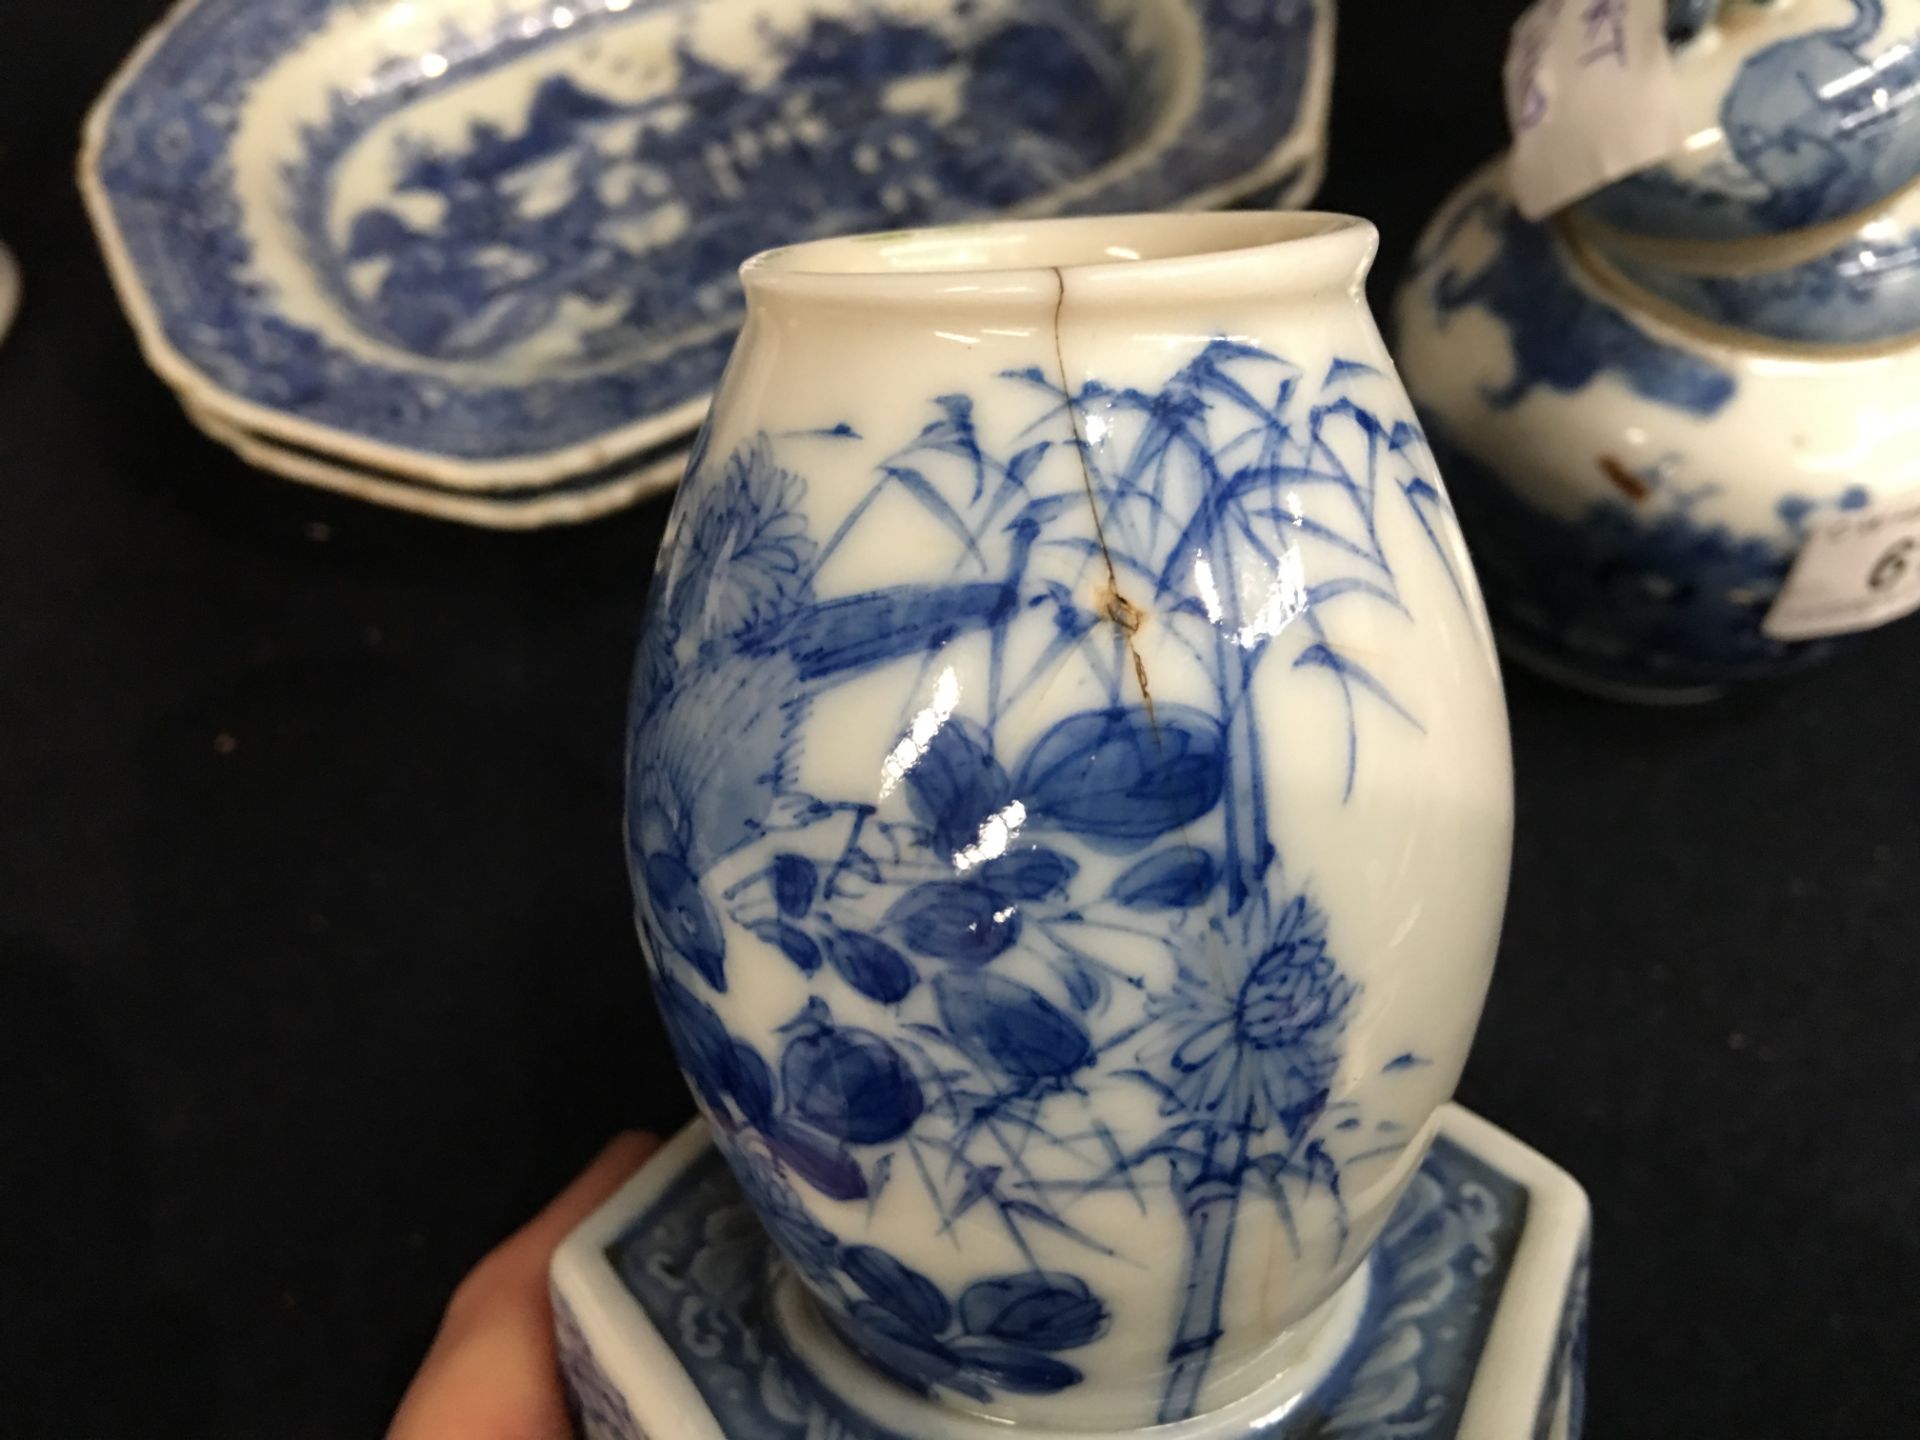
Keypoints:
pixel 490 244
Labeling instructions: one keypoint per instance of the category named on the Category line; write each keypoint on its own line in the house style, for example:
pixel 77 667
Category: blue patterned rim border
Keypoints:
pixel 699 1267
pixel 157 174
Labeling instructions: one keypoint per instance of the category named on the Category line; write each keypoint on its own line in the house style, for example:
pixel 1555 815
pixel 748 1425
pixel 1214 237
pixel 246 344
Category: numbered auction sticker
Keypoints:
pixel 1590 98
pixel 1857 570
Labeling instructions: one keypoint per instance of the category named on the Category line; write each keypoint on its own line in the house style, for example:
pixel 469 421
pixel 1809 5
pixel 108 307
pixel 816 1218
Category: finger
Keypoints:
pixel 490 1374
pixel 516 1269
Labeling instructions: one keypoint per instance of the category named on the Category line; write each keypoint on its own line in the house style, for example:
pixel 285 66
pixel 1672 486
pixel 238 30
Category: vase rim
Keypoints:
pixel 1175 254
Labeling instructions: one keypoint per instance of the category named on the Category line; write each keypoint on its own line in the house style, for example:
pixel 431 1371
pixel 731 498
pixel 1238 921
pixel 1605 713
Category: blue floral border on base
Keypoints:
pixel 699 1265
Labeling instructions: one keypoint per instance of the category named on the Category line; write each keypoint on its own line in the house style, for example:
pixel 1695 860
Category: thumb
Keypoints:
pixel 491 1373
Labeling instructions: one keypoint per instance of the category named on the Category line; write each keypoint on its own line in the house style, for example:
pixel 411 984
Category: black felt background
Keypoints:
pixel 294 1024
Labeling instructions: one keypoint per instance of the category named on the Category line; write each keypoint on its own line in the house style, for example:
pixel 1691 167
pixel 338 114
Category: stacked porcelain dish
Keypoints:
pixel 476 258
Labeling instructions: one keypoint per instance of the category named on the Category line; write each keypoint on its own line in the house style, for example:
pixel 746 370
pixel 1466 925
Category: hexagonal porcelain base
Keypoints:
pixel 1470 1321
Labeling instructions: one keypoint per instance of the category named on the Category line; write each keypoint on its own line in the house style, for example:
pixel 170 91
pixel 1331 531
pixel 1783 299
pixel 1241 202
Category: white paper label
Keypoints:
pixel 1856 570
pixel 1590 98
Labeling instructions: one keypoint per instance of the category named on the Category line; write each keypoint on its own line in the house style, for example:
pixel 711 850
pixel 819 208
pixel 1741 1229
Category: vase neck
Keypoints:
pixel 1112 263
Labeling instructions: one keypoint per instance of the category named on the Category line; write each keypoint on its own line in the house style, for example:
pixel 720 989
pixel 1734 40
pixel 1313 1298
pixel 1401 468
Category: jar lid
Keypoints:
pixel 1795 113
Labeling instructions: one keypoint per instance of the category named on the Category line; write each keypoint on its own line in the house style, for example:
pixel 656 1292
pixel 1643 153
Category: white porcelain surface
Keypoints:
pixel 1069 796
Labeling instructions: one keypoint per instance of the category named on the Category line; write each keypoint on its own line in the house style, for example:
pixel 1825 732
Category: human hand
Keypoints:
pixel 491 1373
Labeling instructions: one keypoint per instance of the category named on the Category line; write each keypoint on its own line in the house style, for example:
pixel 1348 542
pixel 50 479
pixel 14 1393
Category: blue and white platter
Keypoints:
pixel 489 246
pixel 674 1322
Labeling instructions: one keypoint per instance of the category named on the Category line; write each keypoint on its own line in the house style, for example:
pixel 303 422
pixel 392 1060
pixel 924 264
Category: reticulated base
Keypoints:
pixel 1468 1319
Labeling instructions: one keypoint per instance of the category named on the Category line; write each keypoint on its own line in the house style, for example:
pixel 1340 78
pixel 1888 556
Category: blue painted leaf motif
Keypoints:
pixel 1326 658
pixel 751 1084
pixel 792 942
pixel 1026 462
pixel 873 967
pixel 912 1298
pixel 687 922
pixel 850 1084
pixel 1036 873
pixel 699 1039
pixel 956 785
pixel 721 1068
pixel 1041 1310
pixel 955 920
pixel 1124 776
pixel 1085 986
pixel 826 1167
pixel 1024 1372
pixel 1020 1030
pixel 1048 508
pixel 979 1184
pixel 1174 879
pixel 903 1351
pixel 795 883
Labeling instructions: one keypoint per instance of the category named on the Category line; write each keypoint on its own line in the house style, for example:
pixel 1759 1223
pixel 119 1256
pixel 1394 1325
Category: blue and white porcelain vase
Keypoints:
pixel 1070 801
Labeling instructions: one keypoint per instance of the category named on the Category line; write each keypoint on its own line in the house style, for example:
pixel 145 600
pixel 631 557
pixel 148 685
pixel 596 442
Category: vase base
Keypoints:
pixel 891 1410
pixel 1468 1319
